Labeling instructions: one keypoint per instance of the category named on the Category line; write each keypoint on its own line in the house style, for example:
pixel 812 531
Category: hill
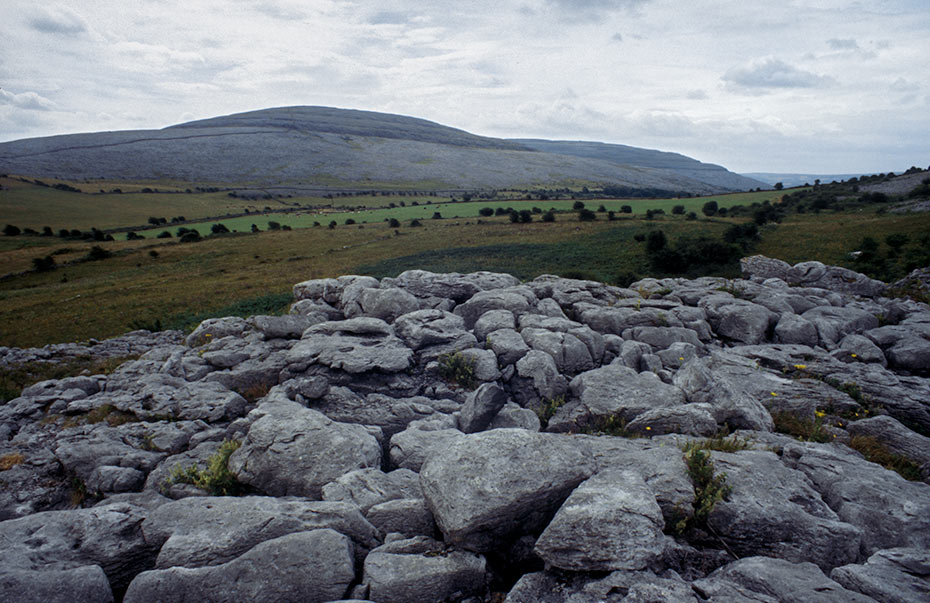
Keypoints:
pixel 303 148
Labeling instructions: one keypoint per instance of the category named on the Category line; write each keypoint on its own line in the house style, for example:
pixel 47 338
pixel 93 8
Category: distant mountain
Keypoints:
pixel 789 180
pixel 340 149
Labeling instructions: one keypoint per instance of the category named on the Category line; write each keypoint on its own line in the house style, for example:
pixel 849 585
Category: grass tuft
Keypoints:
pixel 8 461
pixel 216 479
pixel 876 452
pixel 458 369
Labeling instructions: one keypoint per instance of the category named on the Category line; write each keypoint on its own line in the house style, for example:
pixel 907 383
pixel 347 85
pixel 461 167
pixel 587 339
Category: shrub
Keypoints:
pixel 586 215
pixel 601 209
pixel 577 205
pixel 98 253
pixel 437 215
pixel 806 430
pixel 548 216
pixel 548 408
pixel 678 210
pixel 272 225
pixel 415 223
pixel 487 212
pixel 709 488
pixel 709 208
pixel 45 264
pixel 11 231
pixel 216 479
pixel 458 369
pixel 626 209
pixel 332 224
pixel 394 223
pixel 349 221
pixel 133 236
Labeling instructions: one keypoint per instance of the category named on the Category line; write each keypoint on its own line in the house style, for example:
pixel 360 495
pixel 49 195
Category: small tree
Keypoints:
pixel 626 209
pixel 678 210
pixel 272 225
pixel 394 223
pixel 11 231
pixel 487 212
pixel 709 208
pixel 415 223
pixel 332 224
pixel 548 216
pixel 779 186
pixel 165 235
pixel 219 228
pixel 655 241
pixel 586 215
pixel 601 209
pixel 43 264
pixel 437 215
pixel 578 205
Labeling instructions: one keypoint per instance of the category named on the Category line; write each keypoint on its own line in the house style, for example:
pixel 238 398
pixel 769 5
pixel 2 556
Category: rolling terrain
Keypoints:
pixel 300 149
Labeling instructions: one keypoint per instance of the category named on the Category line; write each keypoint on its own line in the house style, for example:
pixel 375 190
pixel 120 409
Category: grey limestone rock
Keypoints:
pixel 481 406
pixel 356 345
pixel 842 280
pixel 289 326
pixel 613 391
pixel 196 532
pixel 896 575
pixel 384 303
pixel 776 580
pixel 517 299
pixel 540 367
pixel 407 516
pixel 292 450
pixel 610 521
pixel 910 353
pixel 453 286
pixel 304 566
pixel 688 419
pixel 108 536
pixel 889 510
pixel 776 511
pixel 85 584
pixel 739 320
pixel 412 447
pixel 509 345
pixel 422 569
pixel 660 338
pixel 762 268
pixel 792 328
pixel 433 332
pixel 494 320
pixel 835 323
pixel 487 488
pixel 369 487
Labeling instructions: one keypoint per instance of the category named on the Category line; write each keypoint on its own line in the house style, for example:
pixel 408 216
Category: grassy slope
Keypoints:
pixel 104 298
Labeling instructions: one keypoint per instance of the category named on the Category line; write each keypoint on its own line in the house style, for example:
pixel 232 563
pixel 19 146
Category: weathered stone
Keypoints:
pixel 738 320
pixel 776 511
pixel 761 267
pixel 722 381
pixel 392 415
pixel 843 280
pixel 292 450
pixel 86 584
pixel 422 569
pixel 383 303
pixel 517 299
pixel 889 510
pixel 897 575
pixel 305 566
pixel 689 419
pixel 494 320
pixel 201 531
pixel 357 345
pixel 407 516
pixel 289 326
pixel 661 338
pixel 781 580
pixel 910 354
pixel 433 332
pixel 792 328
pixel 369 487
pixel 540 367
pixel 613 391
pixel 610 521
pixel 481 406
pixel 422 439
pixel 508 345
pixel 453 286
pixel 108 536
pixel 833 324
pixel 487 488
pixel 483 362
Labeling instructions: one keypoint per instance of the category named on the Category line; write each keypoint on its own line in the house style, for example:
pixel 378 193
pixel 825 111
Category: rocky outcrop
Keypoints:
pixel 469 437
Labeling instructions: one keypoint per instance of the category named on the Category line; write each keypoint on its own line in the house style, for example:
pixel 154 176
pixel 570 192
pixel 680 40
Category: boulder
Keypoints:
pixel 835 278
pixel 776 511
pixel 488 488
pixel 835 323
pixel 369 487
pixel 292 450
pixel 304 566
pixel 202 531
pixel 613 391
pixel 422 569
pixel 407 516
pixel 509 345
pixel 85 584
pixel 901 574
pixel 611 521
pixel 357 345
pixel 769 579
pixel 481 406
pixel 518 299
pixel 759 267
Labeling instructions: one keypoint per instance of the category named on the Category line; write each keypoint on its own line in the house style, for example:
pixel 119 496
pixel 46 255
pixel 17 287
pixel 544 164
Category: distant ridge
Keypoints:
pixel 343 149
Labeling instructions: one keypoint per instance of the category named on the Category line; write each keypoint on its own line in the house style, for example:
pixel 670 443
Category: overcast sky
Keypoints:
pixel 814 86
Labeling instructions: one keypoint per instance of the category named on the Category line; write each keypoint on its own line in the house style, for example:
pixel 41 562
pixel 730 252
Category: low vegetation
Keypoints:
pixel 873 450
pixel 13 379
pixel 215 479
pixel 458 369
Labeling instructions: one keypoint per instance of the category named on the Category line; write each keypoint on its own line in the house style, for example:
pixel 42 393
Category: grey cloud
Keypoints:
pixel 26 100
pixel 838 44
pixel 773 73
pixel 388 18
pixel 590 10
pixel 59 20
pixel 696 94
pixel 617 37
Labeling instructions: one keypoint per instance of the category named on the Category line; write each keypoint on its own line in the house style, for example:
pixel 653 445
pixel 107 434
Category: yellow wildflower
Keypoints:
pixel 800 366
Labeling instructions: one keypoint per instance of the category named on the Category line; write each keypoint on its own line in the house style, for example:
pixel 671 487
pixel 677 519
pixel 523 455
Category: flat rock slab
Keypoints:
pixel 487 488
pixel 781 580
pixel 900 574
pixel 357 345
pixel 315 566
pixel 611 521
pixel 773 510
pixel 199 531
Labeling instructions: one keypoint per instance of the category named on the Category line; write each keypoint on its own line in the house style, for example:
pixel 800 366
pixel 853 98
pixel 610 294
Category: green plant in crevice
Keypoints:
pixel 548 409
pixel 710 488
pixel 876 452
pixel 806 430
pixel 216 478
pixel 458 369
